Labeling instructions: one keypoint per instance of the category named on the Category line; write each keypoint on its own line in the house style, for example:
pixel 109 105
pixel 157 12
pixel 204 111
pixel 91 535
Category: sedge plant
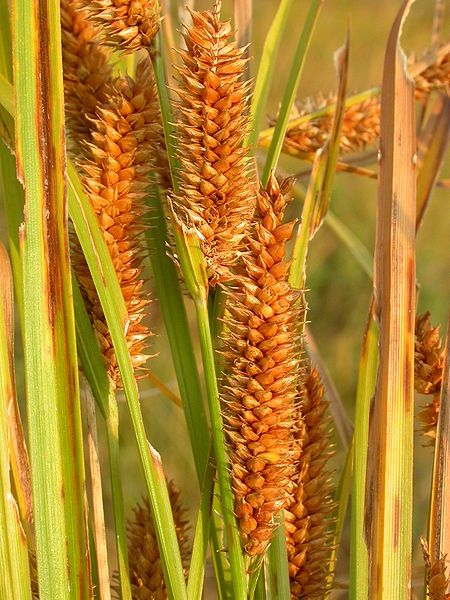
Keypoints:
pixel 142 190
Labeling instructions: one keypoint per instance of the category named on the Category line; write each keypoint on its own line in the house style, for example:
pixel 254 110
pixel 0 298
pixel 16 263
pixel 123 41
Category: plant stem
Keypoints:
pixel 238 571
pixel 359 560
pixel 278 562
pixel 291 88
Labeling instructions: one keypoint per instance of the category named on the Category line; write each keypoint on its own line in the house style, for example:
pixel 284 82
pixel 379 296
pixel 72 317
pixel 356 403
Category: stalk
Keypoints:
pixel 265 70
pixel 112 303
pixel 359 558
pixel 238 570
pixel 278 578
pixel 177 327
pixel 201 537
pixel 274 151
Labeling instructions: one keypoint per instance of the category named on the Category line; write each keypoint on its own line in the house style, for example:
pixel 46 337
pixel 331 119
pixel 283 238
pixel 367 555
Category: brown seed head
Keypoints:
pixel 146 572
pixel 262 355
pixel 309 515
pixel 87 73
pixel 428 357
pixel 217 191
pixel 435 76
pixel 360 127
pixel 437 579
pixel 129 24
pixel 361 124
pixel 121 155
pixel 428 364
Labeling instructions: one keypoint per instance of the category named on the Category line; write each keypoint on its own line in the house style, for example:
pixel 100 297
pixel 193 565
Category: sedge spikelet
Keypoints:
pixel 146 570
pixel 116 180
pixel 128 24
pixel 217 191
pixel 361 124
pixel 434 76
pixel 309 516
pixel 428 365
pixel 87 73
pixel 360 127
pixel 262 355
pixel 437 579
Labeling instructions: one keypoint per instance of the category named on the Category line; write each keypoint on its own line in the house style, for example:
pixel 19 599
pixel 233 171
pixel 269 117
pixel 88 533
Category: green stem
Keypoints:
pixel 238 571
pixel 201 537
pixel 278 562
pixel 274 151
pixel 359 558
pixel 265 70
pixel 178 333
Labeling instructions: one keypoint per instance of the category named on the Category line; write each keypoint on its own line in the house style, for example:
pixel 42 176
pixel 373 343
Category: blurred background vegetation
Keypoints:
pixel 339 290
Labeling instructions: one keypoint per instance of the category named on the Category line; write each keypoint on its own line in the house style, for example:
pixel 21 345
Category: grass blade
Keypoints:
pixel 317 199
pixel 201 537
pixel 51 375
pixel 359 559
pixel 276 144
pixel 177 327
pixel 278 571
pixel 238 570
pixel 389 511
pixel 112 432
pixel 113 306
pixel 14 570
pixel 265 70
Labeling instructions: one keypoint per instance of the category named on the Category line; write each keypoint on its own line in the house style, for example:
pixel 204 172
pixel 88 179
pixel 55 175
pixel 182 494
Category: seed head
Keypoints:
pixel 361 124
pixel 121 155
pixel 217 189
pixel 87 73
pixel 128 24
pixel 428 357
pixel 428 365
pixel 309 516
pixel 360 127
pixel 146 572
pixel 435 76
pixel 438 581
pixel 262 356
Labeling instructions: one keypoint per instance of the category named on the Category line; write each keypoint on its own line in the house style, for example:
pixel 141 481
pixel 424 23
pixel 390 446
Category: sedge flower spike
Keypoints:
pixel 145 566
pixel 217 189
pixel 262 362
pixel 309 515
pixel 116 180
pixel 128 24
pixel 361 124
pixel 428 370
pixel 87 73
